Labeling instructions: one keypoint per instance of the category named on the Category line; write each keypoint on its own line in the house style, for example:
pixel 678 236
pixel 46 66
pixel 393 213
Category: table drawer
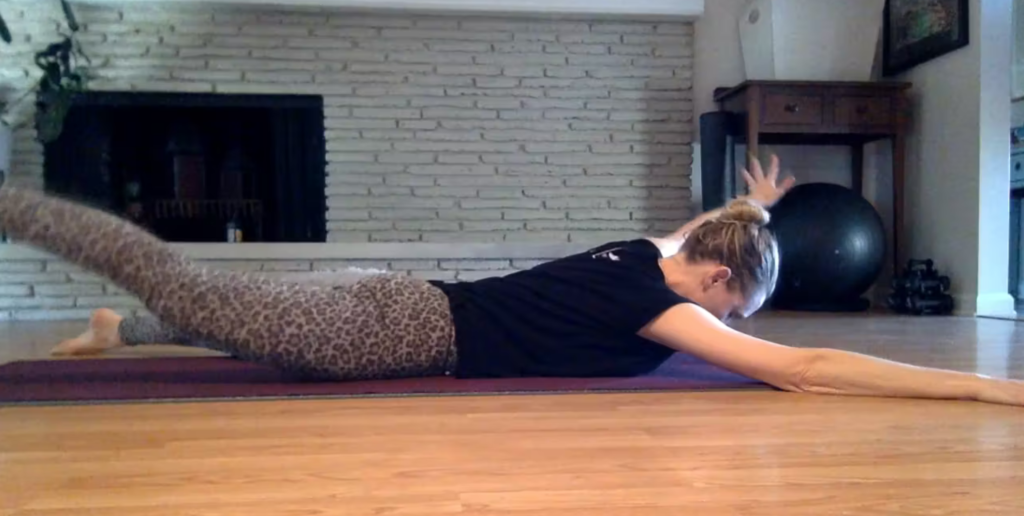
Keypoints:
pixel 864 111
pixel 783 109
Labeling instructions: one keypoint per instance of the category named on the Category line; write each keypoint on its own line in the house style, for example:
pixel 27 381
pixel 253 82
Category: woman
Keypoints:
pixel 617 310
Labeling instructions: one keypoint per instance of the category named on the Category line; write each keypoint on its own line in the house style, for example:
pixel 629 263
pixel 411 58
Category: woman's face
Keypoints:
pixel 727 303
pixel 709 285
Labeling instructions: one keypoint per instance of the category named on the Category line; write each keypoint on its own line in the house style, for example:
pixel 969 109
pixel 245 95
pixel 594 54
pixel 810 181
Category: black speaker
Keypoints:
pixel 718 176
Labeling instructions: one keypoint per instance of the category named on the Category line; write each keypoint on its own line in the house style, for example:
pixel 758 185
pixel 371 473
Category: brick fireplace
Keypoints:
pixel 492 141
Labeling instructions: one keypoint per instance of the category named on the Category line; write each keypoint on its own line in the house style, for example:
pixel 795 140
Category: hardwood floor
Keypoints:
pixel 715 453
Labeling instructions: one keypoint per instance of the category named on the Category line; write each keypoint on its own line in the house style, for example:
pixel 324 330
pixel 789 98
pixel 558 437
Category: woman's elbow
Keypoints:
pixel 811 375
pixel 803 376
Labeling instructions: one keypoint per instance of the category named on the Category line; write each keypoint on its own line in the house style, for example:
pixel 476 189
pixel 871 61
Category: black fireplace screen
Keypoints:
pixel 197 167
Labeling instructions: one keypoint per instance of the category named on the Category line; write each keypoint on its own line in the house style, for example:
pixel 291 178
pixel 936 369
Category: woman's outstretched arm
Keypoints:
pixel 690 329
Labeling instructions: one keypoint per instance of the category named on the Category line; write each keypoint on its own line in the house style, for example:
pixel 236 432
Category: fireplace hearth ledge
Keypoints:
pixel 345 251
pixel 658 10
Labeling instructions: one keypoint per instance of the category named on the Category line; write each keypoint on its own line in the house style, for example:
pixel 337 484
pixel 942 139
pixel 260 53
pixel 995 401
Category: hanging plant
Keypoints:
pixel 62 78
pixel 5 36
pixel 61 81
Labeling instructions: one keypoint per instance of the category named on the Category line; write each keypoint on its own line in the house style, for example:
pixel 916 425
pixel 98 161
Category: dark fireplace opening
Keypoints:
pixel 197 167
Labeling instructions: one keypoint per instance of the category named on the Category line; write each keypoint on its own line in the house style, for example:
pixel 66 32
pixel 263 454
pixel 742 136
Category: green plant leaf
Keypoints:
pixel 61 80
pixel 69 15
pixel 5 33
pixel 51 110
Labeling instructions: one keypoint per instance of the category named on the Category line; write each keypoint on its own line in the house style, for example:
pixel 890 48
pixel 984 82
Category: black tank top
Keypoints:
pixel 573 317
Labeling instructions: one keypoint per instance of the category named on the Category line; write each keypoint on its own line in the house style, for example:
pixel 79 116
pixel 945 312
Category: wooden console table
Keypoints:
pixel 826 113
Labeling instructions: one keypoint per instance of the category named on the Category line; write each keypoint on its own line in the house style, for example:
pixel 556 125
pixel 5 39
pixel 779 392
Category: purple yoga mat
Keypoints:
pixel 196 379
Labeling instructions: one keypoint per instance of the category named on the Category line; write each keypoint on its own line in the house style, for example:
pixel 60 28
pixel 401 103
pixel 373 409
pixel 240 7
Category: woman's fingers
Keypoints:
pixel 787 184
pixel 755 167
pixel 755 178
pixel 758 171
pixel 773 168
pixel 751 184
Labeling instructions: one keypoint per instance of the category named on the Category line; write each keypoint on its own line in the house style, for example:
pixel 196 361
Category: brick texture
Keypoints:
pixel 439 129
pixel 51 290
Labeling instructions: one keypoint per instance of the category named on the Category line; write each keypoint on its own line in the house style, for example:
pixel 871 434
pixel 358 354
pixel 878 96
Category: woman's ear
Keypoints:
pixel 718 275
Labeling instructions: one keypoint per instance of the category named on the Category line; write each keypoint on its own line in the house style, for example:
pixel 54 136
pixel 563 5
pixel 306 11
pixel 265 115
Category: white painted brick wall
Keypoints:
pixel 439 129
pixel 34 290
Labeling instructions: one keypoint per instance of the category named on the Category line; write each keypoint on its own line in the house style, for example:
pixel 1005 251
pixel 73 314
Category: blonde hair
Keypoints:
pixel 739 240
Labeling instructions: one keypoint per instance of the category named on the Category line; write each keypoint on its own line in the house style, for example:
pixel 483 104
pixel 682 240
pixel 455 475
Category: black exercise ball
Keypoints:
pixel 831 248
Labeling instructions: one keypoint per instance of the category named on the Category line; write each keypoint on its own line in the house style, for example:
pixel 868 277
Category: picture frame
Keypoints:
pixel 917 31
pixel 1017 94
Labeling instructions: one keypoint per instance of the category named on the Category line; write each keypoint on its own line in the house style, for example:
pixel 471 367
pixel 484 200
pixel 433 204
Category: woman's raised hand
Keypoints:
pixel 765 189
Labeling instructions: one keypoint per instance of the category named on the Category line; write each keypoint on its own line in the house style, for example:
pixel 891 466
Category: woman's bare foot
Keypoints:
pixel 101 336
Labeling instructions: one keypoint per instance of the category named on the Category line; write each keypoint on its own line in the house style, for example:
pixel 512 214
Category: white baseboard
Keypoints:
pixel 996 304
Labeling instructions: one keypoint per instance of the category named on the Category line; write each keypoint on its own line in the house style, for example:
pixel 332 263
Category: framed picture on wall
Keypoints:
pixel 916 31
pixel 1018 51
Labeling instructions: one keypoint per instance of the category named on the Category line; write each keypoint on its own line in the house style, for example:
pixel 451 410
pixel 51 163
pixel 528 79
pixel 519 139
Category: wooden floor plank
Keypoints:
pixel 758 453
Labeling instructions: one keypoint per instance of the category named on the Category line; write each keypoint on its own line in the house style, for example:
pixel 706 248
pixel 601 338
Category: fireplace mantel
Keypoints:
pixel 344 251
pixel 654 9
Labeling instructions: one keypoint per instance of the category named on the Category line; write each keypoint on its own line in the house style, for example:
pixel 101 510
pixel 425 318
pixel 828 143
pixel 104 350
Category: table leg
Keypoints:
pixel 753 125
pixel 857 168
pixel 899 155
pixel 752 145
pixel 1015 241
pixel 1018 228
pixel 729 181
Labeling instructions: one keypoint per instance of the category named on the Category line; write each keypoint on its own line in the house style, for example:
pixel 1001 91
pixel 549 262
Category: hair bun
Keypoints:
pixel 746 212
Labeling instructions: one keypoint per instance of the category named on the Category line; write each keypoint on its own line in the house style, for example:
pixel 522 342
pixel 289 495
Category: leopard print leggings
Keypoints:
pixel 385 326
pixel 142 330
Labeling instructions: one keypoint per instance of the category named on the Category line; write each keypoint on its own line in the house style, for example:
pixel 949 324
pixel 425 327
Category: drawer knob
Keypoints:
pixel 791 108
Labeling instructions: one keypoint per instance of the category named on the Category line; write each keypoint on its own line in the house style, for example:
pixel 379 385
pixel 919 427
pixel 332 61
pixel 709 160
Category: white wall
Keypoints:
pixel 718 61
pixel 958 175
pixel 996 55
pixel 961 113
pixel 441 129
pixel 453 129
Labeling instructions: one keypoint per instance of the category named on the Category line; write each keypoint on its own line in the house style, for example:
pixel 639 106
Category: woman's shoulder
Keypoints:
pixel 620 261
pixel 604 260
pixel 666 247
pixel 645 247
